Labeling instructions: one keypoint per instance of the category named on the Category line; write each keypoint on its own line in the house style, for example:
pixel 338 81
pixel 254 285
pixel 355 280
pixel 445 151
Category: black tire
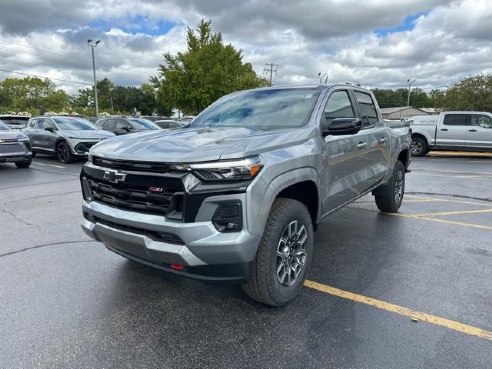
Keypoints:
pixel 419 147
pixel 63 152
pixel 24 164
pixel 33 154
pixel 390 196
pixel 266 284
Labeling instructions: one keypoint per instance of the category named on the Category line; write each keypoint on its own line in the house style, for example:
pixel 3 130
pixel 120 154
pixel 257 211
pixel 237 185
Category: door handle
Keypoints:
pixel 472 130
pixel 361 145
pixel 382 140
pixel 444 129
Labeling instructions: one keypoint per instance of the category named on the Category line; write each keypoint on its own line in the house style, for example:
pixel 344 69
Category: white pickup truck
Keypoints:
pixel 452 130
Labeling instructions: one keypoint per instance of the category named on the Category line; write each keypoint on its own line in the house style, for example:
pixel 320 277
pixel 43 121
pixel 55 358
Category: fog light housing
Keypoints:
pixel 228 217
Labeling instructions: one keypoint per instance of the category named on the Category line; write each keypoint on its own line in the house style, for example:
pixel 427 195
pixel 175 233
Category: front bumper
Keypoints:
pixel 195 250
pixel 81 147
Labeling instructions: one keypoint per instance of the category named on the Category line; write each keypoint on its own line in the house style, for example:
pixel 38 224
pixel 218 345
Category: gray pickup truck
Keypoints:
pixel 237 196
pixel 451 130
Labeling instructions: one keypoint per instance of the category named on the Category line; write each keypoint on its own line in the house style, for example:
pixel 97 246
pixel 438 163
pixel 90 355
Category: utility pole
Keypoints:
pixel 410 83
pixel 93 45
pixel 321 76
pixel 270 69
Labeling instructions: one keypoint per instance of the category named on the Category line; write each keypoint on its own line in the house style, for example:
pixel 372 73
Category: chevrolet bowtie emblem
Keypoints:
pixel 114 176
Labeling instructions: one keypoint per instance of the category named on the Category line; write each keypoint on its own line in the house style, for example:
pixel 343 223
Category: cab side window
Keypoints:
pixel 368 112
pixel 483 121
pixel 338 106
pixel 456 119
pixel 47 123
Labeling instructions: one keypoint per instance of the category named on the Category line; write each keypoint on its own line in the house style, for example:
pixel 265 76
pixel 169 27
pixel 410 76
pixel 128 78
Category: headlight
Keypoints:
pixel 233 170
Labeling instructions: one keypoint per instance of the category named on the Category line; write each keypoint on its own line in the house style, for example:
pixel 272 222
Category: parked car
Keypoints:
pixel 14 147
pixel 452 130
pixel 66 137
pixel 124 125
pixel 15 121
pixel 170 124
pixel 238 195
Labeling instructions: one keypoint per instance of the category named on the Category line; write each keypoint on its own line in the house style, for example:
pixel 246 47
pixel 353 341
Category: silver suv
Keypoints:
pixel 238 195
pixel 66 137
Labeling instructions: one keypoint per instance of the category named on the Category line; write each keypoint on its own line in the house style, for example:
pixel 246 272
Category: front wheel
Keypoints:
pixel 23 164
pixel 390 196
pixel 419 147
pixel 284 255
pixel 63 153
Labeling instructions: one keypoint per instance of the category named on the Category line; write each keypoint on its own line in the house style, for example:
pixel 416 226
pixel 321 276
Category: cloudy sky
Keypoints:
pixel 377 43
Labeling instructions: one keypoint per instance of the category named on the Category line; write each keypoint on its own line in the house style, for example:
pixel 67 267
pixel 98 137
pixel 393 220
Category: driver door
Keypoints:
pixel 343 155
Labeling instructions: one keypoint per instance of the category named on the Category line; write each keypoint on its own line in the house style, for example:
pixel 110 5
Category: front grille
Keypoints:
pixel 11 148
pixel 83 147
pixel 131 165
pixel 142 192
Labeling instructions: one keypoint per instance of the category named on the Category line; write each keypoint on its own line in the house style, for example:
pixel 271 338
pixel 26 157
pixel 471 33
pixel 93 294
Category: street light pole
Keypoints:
pixel 93 46
pixel 410 83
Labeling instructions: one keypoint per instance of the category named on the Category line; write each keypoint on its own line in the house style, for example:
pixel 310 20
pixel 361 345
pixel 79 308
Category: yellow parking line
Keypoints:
pixel 442 221
pixel 413 314
pixel 454 213
pixel 445 200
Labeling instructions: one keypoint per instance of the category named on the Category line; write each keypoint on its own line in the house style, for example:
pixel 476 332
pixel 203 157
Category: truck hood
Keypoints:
pixel 199 144
pixel 89 134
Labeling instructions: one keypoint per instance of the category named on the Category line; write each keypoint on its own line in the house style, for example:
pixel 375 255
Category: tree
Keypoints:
pixel 192 80
pixel 31 94
pixel 472 93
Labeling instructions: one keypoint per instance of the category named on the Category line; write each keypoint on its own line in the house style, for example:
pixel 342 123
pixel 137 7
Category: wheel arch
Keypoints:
pixel 289 185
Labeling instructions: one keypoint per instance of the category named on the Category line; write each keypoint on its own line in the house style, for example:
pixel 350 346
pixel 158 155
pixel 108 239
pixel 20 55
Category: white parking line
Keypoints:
pixel 48 165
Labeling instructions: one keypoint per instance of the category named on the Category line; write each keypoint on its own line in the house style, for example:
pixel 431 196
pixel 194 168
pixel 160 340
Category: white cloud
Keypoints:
pixel 450 40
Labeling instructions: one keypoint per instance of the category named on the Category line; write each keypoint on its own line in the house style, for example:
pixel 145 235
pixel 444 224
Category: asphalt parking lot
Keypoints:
pixel 412 290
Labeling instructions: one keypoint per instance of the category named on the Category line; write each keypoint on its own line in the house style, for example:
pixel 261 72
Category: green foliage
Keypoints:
pixel 472 93
pixel 31 94
pixel 399 98
pixel 208 70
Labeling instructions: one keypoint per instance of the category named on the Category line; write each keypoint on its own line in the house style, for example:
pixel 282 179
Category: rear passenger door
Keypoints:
pixel 479 133
pixel 376 153
pixel 452 130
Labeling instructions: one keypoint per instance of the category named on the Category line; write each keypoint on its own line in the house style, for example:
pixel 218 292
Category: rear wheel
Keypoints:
pixel 419 147
pixel 63 152
pixel 24 164
pixel 390 196
pixel 284 255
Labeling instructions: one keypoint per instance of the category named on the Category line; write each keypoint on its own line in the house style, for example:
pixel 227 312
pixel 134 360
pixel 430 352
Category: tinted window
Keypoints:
pixel 121 123
pixel 483 121
pixel 79 124
pixel 139 123
pixel 367 109
pixel 261 109
pixel 47 124
pixel 339 106
pixel 456 119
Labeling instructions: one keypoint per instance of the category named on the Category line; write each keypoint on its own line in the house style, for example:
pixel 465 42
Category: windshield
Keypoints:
pixel 262 109
pixel 77 124
pixel 139 123
pixel 3 127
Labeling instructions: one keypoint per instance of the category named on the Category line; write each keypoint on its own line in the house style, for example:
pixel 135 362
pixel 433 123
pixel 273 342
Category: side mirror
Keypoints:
pixel 49 129
pixel 341 126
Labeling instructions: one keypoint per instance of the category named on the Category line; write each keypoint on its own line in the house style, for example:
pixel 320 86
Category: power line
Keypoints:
pixel 55 79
